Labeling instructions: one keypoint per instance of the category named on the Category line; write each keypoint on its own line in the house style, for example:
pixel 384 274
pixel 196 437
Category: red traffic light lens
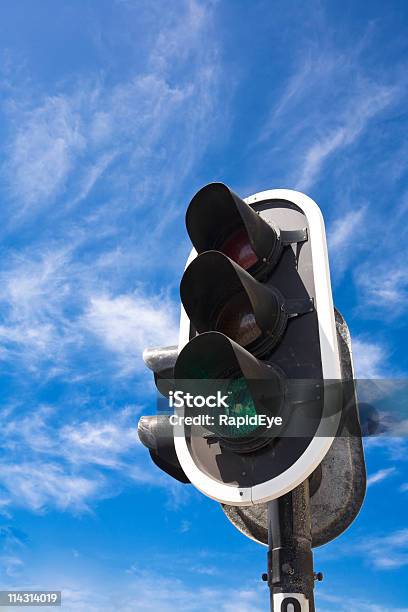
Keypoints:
pixel 237 321
pixel 238 248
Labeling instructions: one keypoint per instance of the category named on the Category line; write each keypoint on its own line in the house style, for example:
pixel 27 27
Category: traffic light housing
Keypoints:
pixel 256 298
pixel 257 320
pixel 259 279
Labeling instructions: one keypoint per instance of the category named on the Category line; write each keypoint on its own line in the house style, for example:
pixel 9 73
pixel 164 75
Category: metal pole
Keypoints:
pixel 290 559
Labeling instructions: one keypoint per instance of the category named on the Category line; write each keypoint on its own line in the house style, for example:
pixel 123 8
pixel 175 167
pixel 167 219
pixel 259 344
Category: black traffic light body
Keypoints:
pixel 258 306
pixel 265 259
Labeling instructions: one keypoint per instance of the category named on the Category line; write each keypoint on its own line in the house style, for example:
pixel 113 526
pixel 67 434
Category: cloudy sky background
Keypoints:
pixel 112 115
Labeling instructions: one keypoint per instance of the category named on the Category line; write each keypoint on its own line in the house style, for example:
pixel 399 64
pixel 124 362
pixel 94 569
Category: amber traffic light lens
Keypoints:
pixel 238 248
pixel 237 321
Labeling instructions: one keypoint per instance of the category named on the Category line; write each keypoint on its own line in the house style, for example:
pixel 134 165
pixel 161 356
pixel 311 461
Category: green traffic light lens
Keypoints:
pixel 240 404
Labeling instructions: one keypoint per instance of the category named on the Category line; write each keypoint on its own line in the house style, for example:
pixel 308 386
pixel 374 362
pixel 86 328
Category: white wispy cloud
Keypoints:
pixel 180 34
pixel 168 595
pixel 394 447
pixel 98 443
pixel 101 438
pixel 304 80
pixel 92 175
pixel 369 358
pixel 353 121
pixel 51 308
pixel 46 142
pixel 343 229
pixel 381 277
pixel 380 475
pixel 40 485
pixel 11 565
pixel 379 551
pixel 89 127
pixel 324 109
pixel 65 143
pixel 127 324
pixel 387 552
pixel 383 287
pixel 185 526
pixel 152 593
pixel 344 239
pixel 33 293
pixel 45 464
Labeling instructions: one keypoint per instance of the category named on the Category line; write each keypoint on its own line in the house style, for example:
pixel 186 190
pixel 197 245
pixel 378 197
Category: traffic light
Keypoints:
pixel 258 327
pixel 257 324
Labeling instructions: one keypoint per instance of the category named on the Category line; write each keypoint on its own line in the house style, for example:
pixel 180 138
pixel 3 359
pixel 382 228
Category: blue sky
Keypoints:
pixel 112 115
